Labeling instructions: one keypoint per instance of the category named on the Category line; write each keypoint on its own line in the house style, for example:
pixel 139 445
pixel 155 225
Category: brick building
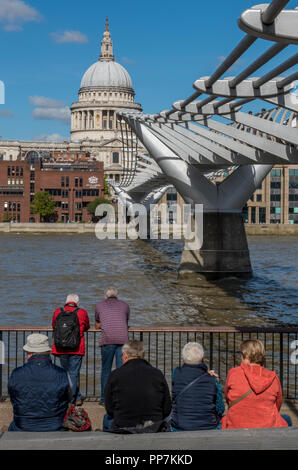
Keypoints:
pixel 73 179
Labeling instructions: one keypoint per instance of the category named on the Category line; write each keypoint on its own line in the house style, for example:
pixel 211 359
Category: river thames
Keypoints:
pixel 38 271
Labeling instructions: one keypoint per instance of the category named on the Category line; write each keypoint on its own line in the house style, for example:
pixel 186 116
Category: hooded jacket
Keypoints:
pixel 260 409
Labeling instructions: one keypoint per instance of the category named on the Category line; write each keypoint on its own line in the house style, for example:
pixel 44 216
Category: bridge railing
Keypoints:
pixel 163 346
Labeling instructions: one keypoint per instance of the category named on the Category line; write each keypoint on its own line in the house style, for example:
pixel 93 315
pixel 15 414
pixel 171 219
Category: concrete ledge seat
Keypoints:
pixel 241 439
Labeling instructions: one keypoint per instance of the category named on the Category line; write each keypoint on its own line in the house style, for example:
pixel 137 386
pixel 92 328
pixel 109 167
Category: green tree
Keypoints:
pixel 106 187
pixel 44 205
pixel 6 218
pixel 91 208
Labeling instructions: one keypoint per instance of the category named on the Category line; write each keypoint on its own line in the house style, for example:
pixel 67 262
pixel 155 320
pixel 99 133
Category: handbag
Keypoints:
pixel 77 420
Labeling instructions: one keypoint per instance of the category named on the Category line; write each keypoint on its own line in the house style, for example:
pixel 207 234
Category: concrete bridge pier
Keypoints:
pixel 224 250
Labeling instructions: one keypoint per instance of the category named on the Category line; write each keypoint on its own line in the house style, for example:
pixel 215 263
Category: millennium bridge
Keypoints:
pixel 207 135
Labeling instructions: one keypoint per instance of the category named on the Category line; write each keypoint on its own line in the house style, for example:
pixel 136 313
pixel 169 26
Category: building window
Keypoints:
pixel 104 119
pixel 81 182
pixel 259 197
pixel 62 182
pixel 115 157
pixel 67 181
pixel 262 215
pixel 111 120
pixel 253 215
pixel 275 173
pixel 76 182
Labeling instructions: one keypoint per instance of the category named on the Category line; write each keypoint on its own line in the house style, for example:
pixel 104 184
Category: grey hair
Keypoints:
pixel 111 292
pixel 193 353
pixel 72 299
pixel 134 348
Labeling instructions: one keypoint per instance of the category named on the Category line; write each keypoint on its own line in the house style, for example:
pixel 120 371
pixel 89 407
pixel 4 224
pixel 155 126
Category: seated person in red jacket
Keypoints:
pixel 253 393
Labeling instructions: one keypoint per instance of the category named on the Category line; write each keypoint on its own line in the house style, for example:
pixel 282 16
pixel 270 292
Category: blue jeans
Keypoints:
pixel 108 352
pixel 72 364
pixel 287 419
pixel 107 423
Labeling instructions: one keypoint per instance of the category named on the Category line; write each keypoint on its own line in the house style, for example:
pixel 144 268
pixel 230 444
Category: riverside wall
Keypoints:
pixel 251 229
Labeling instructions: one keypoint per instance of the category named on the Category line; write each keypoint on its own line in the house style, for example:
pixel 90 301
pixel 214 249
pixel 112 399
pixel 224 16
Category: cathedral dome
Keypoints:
pixel 106 73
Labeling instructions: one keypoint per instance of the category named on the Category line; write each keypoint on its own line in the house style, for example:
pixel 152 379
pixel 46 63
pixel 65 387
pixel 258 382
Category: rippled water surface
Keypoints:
pixel 38 271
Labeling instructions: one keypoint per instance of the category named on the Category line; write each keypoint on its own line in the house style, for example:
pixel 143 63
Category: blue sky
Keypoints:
pixel 47 45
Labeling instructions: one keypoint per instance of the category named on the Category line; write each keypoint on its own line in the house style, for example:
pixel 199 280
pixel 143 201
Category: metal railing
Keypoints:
pixel 163 350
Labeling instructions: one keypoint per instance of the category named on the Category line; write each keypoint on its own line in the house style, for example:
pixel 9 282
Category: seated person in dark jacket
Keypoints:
pixel 137 397
pixel 39 391
pixel 196 393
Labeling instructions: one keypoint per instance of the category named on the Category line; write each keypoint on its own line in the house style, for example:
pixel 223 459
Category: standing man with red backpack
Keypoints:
pixel 69 325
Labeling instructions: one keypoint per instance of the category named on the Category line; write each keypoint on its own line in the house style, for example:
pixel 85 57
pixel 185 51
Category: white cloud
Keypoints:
pixel 47 108
pixel 70 37
pixel 127 60
pixel 43 102
pixel 14 13
pixel 57 114
pixel 50 138
pixel 6 113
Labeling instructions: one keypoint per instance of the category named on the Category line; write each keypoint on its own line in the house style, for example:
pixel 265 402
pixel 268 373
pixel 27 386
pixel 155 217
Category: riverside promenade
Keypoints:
pixel 238 439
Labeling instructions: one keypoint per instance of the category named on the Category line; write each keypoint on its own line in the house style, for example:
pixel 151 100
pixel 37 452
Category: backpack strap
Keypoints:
pixel 188 386
pixel 240 398
pixel 62 310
